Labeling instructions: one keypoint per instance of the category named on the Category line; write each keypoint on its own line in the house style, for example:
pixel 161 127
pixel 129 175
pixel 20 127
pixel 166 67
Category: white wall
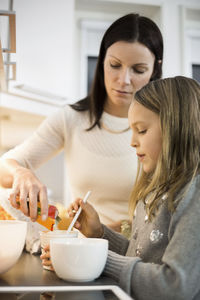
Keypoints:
pixel 172 40
pixel 190 39
pixel 45 45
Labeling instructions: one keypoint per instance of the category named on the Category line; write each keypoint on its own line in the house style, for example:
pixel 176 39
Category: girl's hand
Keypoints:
pixel 27 185
pixel 88 222
pixel 46 258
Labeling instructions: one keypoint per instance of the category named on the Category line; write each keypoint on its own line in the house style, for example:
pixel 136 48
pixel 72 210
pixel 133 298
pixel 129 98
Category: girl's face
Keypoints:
pixel 146 135
pixel 127 68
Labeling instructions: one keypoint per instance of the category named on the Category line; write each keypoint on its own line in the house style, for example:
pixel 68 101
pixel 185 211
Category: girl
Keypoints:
pixel 161 260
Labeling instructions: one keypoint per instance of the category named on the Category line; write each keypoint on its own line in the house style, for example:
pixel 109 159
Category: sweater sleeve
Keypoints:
pixel 42 145
pixel 117 242
pixel 177 277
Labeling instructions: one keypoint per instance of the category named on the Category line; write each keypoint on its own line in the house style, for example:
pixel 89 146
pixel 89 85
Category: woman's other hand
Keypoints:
pixel 46 258
pixel 88 222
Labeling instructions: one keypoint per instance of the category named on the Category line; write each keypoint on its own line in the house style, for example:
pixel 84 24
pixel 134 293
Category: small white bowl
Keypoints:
pixel 12 237
pixel 79 260
pixel 46 236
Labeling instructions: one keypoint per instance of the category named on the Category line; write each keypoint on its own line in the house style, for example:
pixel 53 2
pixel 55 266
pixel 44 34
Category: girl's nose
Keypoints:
pixel 134 145
pixel 134 142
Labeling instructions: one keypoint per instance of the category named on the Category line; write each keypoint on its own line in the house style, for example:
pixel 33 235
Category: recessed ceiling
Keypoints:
pixel 113 7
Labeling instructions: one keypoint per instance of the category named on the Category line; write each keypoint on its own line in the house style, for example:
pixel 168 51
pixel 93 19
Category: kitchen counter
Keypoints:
pixel 27 280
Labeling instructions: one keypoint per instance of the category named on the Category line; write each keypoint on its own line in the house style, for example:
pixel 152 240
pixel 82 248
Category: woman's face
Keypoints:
pixel 127 68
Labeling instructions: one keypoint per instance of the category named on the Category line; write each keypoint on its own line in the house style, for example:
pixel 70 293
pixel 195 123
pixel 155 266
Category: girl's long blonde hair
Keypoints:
pixel 177 102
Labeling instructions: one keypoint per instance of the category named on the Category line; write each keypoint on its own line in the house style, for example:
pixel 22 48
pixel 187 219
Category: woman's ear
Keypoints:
pixel 157 70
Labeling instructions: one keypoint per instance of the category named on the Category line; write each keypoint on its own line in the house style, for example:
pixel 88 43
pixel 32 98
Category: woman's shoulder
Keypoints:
pixel 66 114
pixel 71 114
pixel 80 107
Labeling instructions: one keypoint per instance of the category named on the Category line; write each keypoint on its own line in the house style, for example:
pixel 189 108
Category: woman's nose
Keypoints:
pixel 125 76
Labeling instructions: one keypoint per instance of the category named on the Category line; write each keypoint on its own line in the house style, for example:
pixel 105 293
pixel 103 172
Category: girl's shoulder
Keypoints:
pixel 188 208
pixel 192 188
pixel 189 197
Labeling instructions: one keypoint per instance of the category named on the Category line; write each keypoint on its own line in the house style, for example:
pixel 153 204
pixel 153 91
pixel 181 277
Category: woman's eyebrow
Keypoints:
pixel 142 64
pixel 114 57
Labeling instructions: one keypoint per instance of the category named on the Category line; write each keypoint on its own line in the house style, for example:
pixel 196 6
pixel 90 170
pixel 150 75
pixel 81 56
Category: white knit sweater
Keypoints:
pixel 96 160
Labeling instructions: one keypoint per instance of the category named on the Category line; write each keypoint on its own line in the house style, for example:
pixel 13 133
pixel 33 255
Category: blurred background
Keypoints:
pixel 48 52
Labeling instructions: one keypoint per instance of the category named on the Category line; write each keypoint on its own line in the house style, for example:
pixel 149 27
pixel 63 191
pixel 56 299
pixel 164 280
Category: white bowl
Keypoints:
pixel 12 240
pixel 46 236
pixel 79 260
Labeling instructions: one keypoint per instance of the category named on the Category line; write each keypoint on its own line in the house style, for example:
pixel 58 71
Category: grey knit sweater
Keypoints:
pixel 162 259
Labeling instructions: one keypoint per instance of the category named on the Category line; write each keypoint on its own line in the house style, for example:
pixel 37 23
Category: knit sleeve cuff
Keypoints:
pixel 120 268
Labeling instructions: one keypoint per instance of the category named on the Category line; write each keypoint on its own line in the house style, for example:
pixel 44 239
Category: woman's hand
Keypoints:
pixel 27 185
pixel 46 258
pixel 88 222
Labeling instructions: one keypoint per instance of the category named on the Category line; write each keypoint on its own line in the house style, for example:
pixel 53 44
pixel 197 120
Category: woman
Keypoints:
pixel 93 132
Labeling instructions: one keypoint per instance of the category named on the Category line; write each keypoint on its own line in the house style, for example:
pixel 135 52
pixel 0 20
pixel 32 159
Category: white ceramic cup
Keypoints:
pixel 79 260
pixel 46 236
pixel 12 235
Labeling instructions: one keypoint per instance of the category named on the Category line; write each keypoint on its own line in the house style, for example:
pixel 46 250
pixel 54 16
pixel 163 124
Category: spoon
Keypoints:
pixel 78 213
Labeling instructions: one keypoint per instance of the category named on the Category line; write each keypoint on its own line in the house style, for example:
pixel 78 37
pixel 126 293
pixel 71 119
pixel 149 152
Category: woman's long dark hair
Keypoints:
pixel 129 28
